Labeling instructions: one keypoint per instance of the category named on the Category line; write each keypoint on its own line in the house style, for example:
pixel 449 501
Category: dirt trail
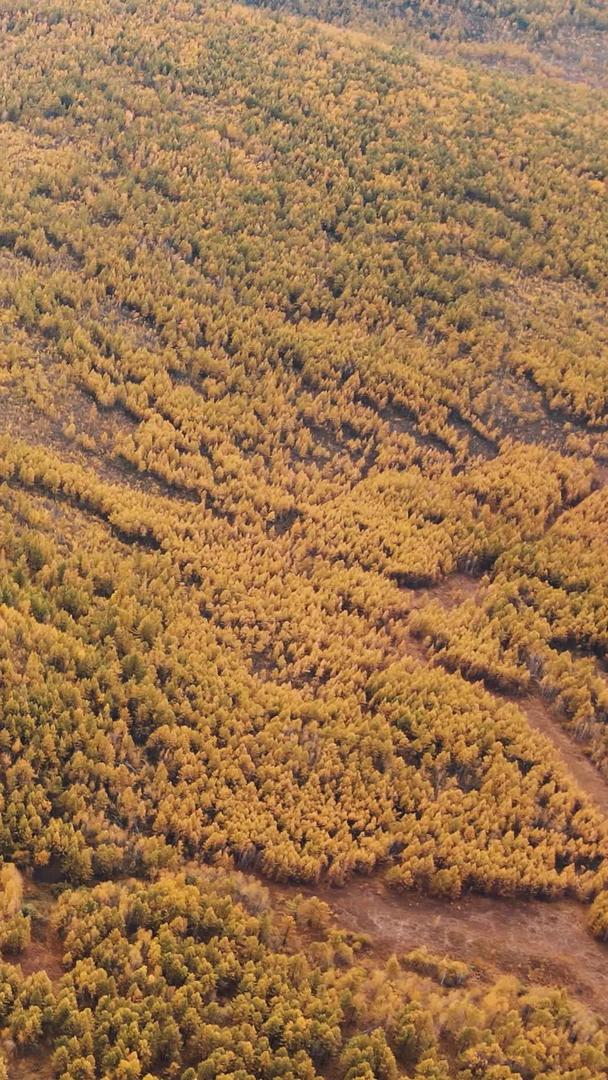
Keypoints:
pixel 589 779
pixel 451 592
pixel 44 952
pixel 546 943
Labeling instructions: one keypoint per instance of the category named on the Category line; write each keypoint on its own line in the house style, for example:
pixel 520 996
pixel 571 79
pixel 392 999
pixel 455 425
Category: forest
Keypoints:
pixel 552 37
pixel 303 518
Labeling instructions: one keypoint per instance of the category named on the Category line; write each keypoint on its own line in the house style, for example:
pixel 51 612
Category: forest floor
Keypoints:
pixel 44 952
pixel 541 942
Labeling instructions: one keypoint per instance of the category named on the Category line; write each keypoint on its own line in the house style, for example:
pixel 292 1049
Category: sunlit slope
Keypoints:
pixel 303 507
pixel 559 38
pixel 284 319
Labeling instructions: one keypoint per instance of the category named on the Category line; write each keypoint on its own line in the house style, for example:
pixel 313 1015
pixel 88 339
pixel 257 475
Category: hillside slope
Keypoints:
pixel 304 432
pixel 558 37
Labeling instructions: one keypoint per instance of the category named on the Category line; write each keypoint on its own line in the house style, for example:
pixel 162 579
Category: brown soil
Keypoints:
pixel 540 942
pixel 578 764
pixel 43 955
pixel 450 592
pixel 33 1064
pixel 44 952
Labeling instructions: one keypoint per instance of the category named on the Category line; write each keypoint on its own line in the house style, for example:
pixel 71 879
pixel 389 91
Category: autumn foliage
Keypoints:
pixel 303 430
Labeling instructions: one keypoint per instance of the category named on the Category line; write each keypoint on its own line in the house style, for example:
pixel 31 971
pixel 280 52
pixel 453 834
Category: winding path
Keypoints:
pixel 580 767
